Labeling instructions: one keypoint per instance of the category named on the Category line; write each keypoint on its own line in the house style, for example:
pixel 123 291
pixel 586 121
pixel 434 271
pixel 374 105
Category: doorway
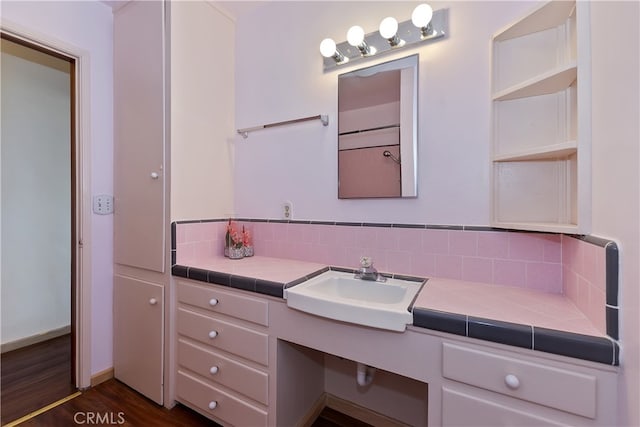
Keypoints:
pixel 38 211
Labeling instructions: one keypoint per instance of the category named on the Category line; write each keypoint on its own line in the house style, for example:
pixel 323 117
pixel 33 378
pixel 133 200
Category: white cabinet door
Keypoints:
pixel 139 135
pixel 138 335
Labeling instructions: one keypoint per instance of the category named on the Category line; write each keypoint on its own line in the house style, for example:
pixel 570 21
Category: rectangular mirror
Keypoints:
pixel 378 130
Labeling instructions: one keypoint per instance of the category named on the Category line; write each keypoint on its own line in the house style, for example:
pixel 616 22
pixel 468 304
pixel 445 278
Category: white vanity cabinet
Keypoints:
pixel 542 121
pixel 222 352
pixel 490 387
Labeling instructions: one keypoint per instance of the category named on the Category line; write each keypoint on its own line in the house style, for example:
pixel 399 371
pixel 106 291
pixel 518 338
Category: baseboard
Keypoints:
pixel 35 339
pixel 361 413
pixel 313 413
pixel 101 377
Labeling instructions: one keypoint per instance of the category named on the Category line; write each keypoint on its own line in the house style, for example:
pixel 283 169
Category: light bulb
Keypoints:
pixel 388 27
pixel 327 48
pixel 355 35
pixel 422 15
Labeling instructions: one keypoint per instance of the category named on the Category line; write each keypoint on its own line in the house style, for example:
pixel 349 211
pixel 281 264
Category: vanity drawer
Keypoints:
pixel 553 387
pixel 229 303
pixel 226 336
pixel 226 407
pixel 214 366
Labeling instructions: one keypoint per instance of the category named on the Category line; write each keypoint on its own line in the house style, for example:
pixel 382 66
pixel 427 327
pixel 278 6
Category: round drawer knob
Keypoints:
pixel 213 370
pixel 213 404
pixel 512 382
pixel 213 334
pixel 213 302
pixel 153 301
pixel 154 175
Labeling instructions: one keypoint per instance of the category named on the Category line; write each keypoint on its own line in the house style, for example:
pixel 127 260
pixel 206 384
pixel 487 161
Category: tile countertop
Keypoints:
pixel 508 315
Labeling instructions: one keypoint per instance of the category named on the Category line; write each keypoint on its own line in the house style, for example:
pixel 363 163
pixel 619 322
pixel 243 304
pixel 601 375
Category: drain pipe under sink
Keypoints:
pixel 364 374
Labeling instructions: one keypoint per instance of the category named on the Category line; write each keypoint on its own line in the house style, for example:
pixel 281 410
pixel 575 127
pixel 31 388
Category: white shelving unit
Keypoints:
pixel 541 121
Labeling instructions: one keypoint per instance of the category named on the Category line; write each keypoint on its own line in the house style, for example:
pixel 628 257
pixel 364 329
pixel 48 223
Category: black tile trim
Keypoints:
pixel 349 224
pixel 266 287
pixel 501 332
pixel 586 347
pixel 189 221
pixel 323 222
pixel 612 314
pixel 198 274
pixel 377 224
pixel 445 227
pixel 409 226
pixel 242 282
pixel 440 321
pixel 173 236
pixel 218 278
pixel 300 222
pixel 180 271
pixel 612 272
pixel 174 255
pixel 480 228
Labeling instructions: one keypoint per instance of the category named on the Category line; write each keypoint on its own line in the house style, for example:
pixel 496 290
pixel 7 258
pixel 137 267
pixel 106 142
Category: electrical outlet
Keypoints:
pixel 287 210
pixel 103 204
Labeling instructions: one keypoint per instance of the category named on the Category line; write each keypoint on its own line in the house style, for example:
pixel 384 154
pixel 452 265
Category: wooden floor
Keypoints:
pixel 34 376
pixel 117 404
pixel 38 375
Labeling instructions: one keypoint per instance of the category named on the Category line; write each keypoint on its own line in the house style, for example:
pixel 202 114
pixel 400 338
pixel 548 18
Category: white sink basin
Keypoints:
pixel 340 296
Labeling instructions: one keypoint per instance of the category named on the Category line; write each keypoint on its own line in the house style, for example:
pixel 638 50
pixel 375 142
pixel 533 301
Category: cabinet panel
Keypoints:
pixel 226 336
pixel 139 121
pixel 138 333
pixel 219 404
pixel 467 410
pixel 218 368
pixel 557 388
pixel 227 303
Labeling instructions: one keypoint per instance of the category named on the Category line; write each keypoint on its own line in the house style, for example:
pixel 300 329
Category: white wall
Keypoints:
pixel 202 111
pixel 36 193
pixel 616 176
pixel 279 77
pixel 88 26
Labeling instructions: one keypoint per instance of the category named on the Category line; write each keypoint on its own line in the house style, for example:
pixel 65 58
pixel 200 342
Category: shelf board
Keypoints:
pixel 550 15
pixel 548 152
pixel 550 82
pixel 550 227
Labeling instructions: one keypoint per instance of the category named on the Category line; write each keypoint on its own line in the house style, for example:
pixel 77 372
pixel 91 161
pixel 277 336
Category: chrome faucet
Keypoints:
pixel 367 272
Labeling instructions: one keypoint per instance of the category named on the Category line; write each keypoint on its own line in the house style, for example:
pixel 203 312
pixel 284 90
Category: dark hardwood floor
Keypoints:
pixel 113 403
pixel 34 376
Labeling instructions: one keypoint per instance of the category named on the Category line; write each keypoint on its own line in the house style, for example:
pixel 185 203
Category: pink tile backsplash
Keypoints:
pixel 583 266
pixel 550 263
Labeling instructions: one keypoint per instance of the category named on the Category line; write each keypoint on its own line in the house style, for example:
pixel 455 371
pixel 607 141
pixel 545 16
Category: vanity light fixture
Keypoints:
pixel 355 37
pixel 328 50
pixel 421 18
pixel 425 25
pixel 389 30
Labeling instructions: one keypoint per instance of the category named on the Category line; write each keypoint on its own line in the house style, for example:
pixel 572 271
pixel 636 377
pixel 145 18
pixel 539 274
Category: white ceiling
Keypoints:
pixel 234 8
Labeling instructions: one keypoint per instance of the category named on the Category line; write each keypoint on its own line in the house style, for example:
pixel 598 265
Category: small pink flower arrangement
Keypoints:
pixel 233 238
pixel 246 237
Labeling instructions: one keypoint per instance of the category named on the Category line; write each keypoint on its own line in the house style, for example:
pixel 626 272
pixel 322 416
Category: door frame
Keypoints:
pixel 81 274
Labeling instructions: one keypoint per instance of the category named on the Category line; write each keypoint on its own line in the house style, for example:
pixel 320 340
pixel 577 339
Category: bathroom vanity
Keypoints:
pixel 245 358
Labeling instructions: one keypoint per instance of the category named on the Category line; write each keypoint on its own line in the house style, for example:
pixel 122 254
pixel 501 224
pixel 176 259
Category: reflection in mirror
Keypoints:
pixel 377 130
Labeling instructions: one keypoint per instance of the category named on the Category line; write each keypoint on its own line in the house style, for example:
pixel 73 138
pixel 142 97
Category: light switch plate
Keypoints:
pixel 103 204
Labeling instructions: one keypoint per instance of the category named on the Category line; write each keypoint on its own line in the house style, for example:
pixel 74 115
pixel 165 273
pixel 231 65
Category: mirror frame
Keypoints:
pixel 408 143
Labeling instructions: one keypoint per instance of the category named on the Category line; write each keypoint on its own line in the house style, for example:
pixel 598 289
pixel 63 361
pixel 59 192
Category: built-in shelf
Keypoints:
pixel 541 121
pixel 548 227
pixel 550 82
pixel 547 16
pixel 548 152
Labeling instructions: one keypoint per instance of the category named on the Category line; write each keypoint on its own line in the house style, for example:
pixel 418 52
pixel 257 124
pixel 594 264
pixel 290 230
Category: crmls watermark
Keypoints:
pixel 99 418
